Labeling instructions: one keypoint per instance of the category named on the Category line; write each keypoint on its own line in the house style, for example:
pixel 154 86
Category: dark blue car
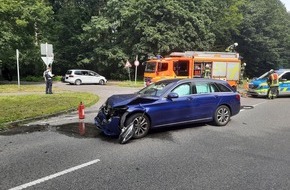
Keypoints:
pixel 167 103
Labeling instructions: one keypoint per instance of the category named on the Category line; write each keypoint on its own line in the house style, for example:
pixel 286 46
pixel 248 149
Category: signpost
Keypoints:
pixel 136 63
pixel 128 65
pixel 17 62
pixel 46 53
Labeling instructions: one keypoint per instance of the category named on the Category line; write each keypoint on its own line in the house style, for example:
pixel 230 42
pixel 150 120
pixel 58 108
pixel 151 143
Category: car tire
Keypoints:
pixel 222 115
pixel 102 82
pixel 141 124
pixel 78 82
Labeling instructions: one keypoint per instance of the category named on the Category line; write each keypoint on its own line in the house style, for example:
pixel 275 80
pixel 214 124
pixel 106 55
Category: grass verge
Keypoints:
pixel 127 83
pixel 19 107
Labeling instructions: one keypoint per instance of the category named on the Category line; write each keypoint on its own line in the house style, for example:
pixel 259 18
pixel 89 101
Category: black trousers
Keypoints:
pixel 48 88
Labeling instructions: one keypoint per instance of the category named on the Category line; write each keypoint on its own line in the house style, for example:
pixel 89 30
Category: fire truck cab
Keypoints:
pixel 190 64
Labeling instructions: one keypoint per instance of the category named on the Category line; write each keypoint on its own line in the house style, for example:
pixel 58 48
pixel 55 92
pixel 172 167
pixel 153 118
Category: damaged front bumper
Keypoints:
pixel 109 126
pixel 257 92
pixel 115 126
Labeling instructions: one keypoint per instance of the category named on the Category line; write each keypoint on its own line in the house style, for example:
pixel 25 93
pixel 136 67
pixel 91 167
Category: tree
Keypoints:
pixel 129 28
pixel 22 26
pixel 66 31
pixel 264 35
pixel 227 18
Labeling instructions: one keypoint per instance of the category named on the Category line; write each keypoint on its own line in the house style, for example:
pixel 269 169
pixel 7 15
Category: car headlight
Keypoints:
pixel 107 109
pixel 118 111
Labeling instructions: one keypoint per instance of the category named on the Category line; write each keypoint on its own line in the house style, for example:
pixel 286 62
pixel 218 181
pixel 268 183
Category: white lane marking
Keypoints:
pixel 54 175
pixel 259 103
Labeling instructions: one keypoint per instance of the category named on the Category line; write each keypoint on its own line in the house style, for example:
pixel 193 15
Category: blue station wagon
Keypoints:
pixel 167 103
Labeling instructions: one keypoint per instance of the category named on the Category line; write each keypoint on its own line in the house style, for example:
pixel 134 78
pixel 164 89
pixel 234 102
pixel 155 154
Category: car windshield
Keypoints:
pixel 156 89
pixel 279 72
pixel 265 75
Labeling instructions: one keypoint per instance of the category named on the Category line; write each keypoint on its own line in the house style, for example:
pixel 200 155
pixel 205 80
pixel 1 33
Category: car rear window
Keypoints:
pixel 78 73
pixel 68 72
pixel 223 88
pixel 202 88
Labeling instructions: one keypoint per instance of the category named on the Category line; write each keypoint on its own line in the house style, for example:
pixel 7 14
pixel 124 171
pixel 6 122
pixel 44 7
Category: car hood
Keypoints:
pixel 125 99
pixel 257 82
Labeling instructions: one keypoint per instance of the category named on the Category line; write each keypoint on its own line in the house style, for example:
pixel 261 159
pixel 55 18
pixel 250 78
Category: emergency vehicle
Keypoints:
pixel 195 64
pixel 258 87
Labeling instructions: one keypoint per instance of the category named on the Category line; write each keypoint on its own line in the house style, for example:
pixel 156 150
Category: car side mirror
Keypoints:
pixel 172 95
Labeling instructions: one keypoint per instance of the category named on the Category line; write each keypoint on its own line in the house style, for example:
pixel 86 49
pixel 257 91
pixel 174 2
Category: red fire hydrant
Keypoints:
pixel 81 110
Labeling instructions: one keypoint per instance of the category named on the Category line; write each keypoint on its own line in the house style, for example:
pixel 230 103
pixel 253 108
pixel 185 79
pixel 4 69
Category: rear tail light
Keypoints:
pixel 238 97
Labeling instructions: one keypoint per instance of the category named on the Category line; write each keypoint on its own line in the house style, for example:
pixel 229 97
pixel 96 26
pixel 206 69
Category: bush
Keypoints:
pixel 33 79
pixel 39 79
pixel 58 78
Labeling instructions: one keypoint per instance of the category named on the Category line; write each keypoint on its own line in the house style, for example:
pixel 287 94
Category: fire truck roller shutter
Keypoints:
pixel 219 70
pixel 233 71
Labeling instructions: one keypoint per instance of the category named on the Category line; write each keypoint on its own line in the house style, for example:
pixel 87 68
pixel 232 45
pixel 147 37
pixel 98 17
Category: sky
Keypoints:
pixel 287 4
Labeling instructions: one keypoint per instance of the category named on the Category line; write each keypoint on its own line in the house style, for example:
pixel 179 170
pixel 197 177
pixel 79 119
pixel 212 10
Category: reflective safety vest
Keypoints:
pixel 273 79
pixel 207 71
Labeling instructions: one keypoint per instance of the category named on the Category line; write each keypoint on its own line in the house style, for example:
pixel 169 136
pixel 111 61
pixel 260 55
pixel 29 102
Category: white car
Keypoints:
pixel 81 76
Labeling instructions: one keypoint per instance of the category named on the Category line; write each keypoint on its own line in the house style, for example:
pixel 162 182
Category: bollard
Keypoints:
pixel 81 110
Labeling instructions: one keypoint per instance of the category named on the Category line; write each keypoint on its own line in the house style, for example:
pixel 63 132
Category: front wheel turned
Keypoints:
pixel 141 124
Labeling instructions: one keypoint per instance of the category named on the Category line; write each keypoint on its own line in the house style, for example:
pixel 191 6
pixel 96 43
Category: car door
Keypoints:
pixel 172 111
pixel 284 84
pixel 85 77
pixel 204 101
pixel 94 77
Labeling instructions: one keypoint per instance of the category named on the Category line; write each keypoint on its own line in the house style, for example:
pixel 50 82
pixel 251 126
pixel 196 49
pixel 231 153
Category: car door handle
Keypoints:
pixel 190 98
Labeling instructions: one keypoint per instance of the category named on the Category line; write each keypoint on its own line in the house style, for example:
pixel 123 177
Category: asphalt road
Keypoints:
pixel 251 152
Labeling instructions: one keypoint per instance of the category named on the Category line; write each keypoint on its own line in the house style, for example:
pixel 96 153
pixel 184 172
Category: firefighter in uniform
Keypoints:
pixel 207 71
pixel 273 83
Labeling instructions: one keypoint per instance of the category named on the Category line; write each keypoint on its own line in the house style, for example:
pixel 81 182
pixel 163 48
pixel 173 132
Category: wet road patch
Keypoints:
pixel 78 130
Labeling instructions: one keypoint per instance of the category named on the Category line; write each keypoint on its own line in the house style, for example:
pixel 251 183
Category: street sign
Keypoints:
pixel 136 62
pixel 47 60
pixel 46 53
pixel 128 64
pixel 46 50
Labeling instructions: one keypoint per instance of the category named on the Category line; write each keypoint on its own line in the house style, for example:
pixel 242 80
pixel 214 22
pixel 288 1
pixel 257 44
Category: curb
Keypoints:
pixel 15 123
